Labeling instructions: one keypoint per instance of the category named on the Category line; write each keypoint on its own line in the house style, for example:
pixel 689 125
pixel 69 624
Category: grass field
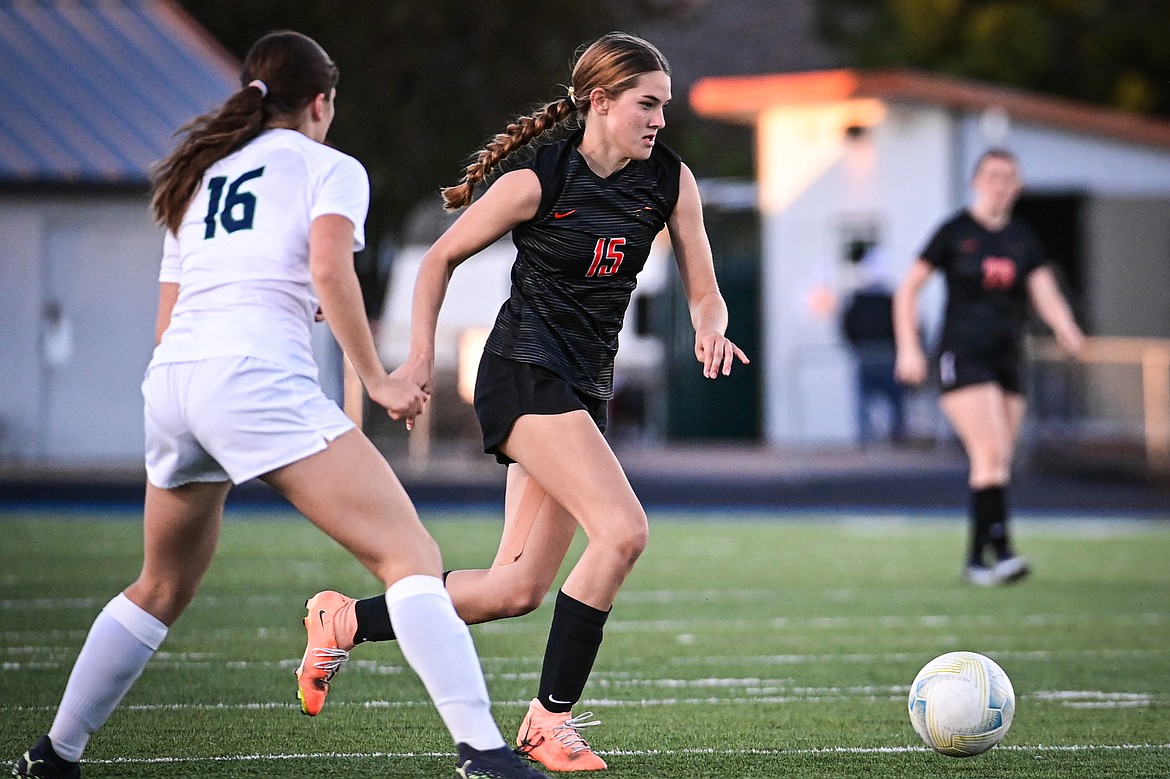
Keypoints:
pixel 745 645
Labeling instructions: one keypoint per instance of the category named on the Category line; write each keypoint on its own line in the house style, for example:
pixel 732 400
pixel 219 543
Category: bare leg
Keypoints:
pixel 987 420
pixel 572 451
pixel 567 455
pixel 376 523
pixel 181 531
pixel 1014 409
pixel 528 560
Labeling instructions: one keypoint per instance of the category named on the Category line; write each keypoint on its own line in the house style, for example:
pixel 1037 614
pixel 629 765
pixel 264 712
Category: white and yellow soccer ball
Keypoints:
pixel 962 704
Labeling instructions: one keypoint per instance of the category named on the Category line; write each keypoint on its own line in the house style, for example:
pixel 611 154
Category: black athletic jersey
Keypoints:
pixel 578 259
pixel 986 278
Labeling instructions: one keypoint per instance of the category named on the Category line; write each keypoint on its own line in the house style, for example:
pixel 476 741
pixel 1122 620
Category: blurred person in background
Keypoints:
pixel 993 267
pixel 262 222
pixel 868 325
pixel 583 213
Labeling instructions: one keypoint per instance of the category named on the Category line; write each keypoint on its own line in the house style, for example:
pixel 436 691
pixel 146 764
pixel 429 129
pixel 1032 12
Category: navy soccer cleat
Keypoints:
pixel 499 763
pixel 42 762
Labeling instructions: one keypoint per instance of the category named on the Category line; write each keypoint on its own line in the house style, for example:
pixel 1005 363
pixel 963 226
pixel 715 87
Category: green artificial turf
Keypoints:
pixel 744 645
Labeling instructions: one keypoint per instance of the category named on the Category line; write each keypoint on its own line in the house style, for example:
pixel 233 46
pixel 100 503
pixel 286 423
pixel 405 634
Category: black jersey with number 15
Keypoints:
pixel 578 259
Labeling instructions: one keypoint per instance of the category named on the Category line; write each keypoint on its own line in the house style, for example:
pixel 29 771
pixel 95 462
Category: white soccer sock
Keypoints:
pixel 120 643
pixel 438 645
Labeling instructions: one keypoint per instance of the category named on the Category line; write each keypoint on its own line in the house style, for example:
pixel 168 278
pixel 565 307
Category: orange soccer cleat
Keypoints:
pixel 552 740
pixel 322 658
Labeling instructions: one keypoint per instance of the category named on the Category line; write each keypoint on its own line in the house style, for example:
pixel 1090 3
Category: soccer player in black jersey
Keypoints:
pixel 993 267
pixel 583 213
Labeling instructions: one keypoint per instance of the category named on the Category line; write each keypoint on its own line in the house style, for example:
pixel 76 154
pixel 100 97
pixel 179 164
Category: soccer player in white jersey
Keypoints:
pixel 262 222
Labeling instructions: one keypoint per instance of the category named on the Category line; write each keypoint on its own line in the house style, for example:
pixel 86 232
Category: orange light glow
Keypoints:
pixel 741 98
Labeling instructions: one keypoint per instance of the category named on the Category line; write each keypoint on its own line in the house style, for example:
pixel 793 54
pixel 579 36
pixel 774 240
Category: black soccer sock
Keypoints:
pixel 989 523
pixel 573 641
pixel 373 619
pixel 997 530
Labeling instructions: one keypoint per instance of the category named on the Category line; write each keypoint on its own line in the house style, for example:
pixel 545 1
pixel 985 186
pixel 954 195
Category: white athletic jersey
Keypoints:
pixel 241 256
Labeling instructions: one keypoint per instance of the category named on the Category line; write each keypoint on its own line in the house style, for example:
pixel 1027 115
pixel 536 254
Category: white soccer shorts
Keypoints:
pixel 232 418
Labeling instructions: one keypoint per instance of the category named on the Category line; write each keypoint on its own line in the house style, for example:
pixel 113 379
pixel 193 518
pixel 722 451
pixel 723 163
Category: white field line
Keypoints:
pixel 752 692
pixel 691 626
pixel 1093 699
pixel 897 750
pixel 55 658
pixel 260 603
pixel 209 602
pixel 1036 655
pixel 932 621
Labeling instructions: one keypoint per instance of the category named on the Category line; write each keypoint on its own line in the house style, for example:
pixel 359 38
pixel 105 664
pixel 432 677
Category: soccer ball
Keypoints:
pixel 961 704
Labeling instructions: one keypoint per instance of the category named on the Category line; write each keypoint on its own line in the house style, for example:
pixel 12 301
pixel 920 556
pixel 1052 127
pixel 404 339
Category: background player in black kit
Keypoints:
pixel 583 213
pixel 993 267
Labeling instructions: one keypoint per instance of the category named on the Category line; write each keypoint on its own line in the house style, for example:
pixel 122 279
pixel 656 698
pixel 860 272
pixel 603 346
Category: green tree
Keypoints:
pixel 1115 53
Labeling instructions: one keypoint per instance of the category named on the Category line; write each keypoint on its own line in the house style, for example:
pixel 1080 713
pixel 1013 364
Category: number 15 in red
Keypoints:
pixel 606 249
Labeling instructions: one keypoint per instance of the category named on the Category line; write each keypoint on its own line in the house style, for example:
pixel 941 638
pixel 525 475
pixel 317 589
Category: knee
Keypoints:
pixel 163 597
pixel 990 455
pixel 417 555
pixel 523 599
pixel 990 469
pixel 628 538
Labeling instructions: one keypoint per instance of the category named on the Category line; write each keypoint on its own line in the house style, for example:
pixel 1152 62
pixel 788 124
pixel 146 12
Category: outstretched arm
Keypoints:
pixel 1054 310
pixel 332 269
pixel 512 199
pixel 696 268
pixel 910 363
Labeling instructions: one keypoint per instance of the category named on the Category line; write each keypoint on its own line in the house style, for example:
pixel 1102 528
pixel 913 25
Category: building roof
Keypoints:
pixel 92 92
pixel 715 38
pixel 742 99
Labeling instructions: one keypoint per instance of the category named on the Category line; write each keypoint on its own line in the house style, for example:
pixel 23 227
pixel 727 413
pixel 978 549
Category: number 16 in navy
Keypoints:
pixel 239 208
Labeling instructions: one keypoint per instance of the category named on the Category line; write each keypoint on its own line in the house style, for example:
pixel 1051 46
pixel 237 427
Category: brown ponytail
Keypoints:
pixel 613 63
pixel 210 137
pixel 293 67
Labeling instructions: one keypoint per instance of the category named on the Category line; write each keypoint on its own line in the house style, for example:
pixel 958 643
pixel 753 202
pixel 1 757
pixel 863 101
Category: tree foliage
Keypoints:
pixel 1111 52
pixel 423 82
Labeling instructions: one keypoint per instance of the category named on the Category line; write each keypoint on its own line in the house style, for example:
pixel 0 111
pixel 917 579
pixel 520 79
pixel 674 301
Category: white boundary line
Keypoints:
pixel 761 695
pixel 898 750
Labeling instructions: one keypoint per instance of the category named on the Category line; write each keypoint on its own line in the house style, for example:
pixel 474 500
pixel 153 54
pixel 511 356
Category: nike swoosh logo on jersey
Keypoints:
pixel 563 214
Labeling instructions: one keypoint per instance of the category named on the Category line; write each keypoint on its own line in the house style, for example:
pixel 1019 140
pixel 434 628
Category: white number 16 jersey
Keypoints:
pixel 241 256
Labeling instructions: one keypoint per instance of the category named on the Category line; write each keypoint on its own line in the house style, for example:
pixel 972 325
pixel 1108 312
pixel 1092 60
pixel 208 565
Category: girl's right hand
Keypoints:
pixel 418 373
pixel 402 398
pixel 910 367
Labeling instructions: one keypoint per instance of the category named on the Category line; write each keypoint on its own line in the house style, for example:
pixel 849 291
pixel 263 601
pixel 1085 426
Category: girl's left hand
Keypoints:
pixel 1071 340
pixel 717 353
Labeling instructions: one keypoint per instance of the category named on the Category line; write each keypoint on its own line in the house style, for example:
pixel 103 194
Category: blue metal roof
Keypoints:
pixel 92 91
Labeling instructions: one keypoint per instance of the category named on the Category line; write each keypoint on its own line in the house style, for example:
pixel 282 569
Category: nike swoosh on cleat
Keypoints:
pixel 563 214
pixel 321 616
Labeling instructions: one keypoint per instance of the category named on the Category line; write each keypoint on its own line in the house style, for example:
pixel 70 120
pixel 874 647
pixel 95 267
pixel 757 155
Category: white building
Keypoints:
pixel 90 96
pixel 847 158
